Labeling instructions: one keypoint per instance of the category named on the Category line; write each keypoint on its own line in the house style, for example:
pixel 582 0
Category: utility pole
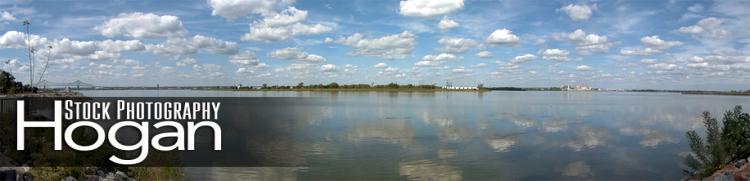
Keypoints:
pixel 26 24
pixel 46 64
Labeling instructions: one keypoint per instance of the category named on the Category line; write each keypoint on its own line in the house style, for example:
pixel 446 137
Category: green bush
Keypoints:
pixel 723 143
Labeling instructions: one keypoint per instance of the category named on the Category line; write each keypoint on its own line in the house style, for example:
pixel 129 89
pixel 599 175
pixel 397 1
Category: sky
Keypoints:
pixel 637 44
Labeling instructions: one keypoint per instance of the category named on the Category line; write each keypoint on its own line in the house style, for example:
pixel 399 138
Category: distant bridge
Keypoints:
pixel 71 85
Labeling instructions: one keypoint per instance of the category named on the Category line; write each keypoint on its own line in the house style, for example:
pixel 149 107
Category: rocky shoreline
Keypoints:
pixel 736 170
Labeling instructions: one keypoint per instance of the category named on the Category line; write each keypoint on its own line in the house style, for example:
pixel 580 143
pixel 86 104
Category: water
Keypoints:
pixel 494 135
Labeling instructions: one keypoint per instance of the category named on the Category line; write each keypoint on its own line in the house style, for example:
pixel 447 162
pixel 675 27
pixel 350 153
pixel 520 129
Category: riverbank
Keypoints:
pixel 363 90
pixel 43 94
pixel 718 93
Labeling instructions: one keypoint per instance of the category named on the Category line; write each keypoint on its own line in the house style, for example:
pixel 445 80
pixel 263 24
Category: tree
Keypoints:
pixel 301 85
pixel 8 84
pixel 333 85
pixel 723 143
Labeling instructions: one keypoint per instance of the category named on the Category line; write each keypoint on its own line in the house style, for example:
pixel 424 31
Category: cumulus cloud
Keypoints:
pixel 435 60
pixel 456 45
pixel 380 65
pixel 710 27
pixel 7 16
pixel 424 8
pixel 181 47
pixel 142 25
pixel 460 70
pixel 296 54
pixel 233 9
pixel 578 12
pixel 587 43
pixel 663 66
pixel 94 50
pixel 653 44
pixel 446 23
pixel 484 54
pixel 283 26
pixel 503 36
pixel 521 59
pixel 15 39
pixel 583 68
pixel 328 68
pixel 246 62
pixel 396 46
pixel 555 54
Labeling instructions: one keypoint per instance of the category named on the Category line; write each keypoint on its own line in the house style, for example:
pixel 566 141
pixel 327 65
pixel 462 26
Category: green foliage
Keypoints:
pixel 723 143
pixel 8 85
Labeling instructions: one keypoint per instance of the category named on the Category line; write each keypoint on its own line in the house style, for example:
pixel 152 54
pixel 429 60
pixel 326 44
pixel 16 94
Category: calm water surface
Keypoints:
pixel 496 135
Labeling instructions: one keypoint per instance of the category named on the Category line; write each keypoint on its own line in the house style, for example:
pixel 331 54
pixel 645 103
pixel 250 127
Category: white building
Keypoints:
pixel 460 88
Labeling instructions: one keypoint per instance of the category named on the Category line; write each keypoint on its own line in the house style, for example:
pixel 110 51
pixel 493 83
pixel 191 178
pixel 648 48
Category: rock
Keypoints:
pixel 69 178
pixel 91 178
pixel 121 175
pixel 724 176
pixel 27 177
pixel 100 173
pixel 739 163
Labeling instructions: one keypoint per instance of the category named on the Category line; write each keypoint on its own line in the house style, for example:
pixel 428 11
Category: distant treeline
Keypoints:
pixel 335 85
pixel 525 89
pixel 733 92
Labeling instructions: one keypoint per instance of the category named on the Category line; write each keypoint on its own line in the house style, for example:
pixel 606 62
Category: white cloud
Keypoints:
pixel 186 61
pixel 461 70
pixel 446 23
pixel 521 59
pixel 578 12
pixel 648 61
pixel 391 69
pixel 94 50
pixel 296 54
pixel 423 8
pixel 440 57
pixel 142 25
pixel 233 9
pixel 587 43
pixel 555 54
pixel 503 36
pixel 207 70
pixel 247 62
pixel 639 51
pixel 653 44
pixel 7 16
pixel 328 68
pixel 14 39
pixel 380 65
pixel 663 66
pixel 583 68
pixel 435 60
pixel 656 42
pixel 484 54
pixel 456 45
pixel 710 27
pixel 181 47
pixel 283 26
pixel 395 46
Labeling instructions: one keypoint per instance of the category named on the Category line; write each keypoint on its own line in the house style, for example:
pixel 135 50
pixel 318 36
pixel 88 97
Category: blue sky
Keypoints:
pixel 611 44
